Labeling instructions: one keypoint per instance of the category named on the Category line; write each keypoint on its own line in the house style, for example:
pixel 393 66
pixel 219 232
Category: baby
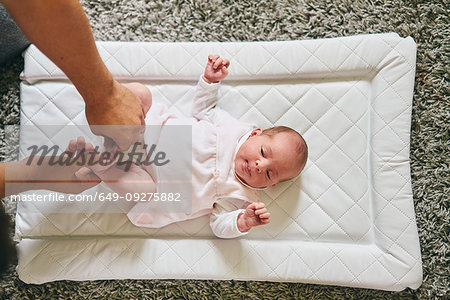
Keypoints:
pixel 230 161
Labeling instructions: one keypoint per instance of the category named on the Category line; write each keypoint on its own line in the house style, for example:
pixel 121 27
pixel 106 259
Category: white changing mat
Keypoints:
pixel 347 220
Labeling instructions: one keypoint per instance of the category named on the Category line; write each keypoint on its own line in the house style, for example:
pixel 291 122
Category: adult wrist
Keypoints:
pixel 97 90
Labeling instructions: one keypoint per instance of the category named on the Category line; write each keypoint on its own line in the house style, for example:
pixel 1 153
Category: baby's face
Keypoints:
pixel 264 160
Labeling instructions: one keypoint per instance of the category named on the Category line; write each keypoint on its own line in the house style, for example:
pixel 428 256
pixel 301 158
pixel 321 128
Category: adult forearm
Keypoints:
pixel 21 176
pixel 61 30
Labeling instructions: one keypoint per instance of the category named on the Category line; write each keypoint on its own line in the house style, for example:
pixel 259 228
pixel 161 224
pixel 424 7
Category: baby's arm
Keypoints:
pixel 206 92
pixel 216 69
pixel 254 215
pixel 223 219
pixel 233 218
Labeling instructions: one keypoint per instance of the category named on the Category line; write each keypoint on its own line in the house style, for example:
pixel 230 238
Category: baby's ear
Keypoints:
pixel 256 131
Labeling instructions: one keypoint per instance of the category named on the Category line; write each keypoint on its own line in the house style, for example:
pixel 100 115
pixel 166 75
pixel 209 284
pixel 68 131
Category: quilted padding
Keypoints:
pixel 347 220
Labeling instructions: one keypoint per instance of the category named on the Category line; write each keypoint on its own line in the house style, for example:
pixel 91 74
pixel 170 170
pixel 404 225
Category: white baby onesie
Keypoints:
pixel 216 137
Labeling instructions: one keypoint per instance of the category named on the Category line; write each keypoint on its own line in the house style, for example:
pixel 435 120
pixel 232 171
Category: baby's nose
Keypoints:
pixel 260 166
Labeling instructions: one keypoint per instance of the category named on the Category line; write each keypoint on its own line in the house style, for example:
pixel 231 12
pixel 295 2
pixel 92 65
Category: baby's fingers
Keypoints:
pixel 259 205
pixel 255 205
pixel 260 211
pixel 265 221
pixel 225 71
pixel 226 63
pixel 213 57
pixel 264 216
pixel 217 63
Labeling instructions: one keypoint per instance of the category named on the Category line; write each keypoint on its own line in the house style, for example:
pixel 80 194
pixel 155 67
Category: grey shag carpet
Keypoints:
pixel 190 20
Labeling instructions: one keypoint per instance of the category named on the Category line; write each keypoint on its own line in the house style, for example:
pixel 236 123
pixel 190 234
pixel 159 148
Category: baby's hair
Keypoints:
pixel 301 147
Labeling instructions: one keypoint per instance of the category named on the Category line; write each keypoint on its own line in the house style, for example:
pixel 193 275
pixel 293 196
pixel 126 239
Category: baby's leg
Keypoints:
pixel 142 92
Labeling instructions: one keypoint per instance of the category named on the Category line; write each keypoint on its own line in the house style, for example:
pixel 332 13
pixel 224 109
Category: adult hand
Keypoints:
pixel 61 30
pixel 120 107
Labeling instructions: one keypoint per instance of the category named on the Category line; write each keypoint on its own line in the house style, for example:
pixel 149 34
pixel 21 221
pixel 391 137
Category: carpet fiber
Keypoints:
pixel 177 20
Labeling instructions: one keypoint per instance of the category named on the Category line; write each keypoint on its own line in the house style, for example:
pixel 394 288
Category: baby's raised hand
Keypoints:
pixel 254 215
pixel 216 69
